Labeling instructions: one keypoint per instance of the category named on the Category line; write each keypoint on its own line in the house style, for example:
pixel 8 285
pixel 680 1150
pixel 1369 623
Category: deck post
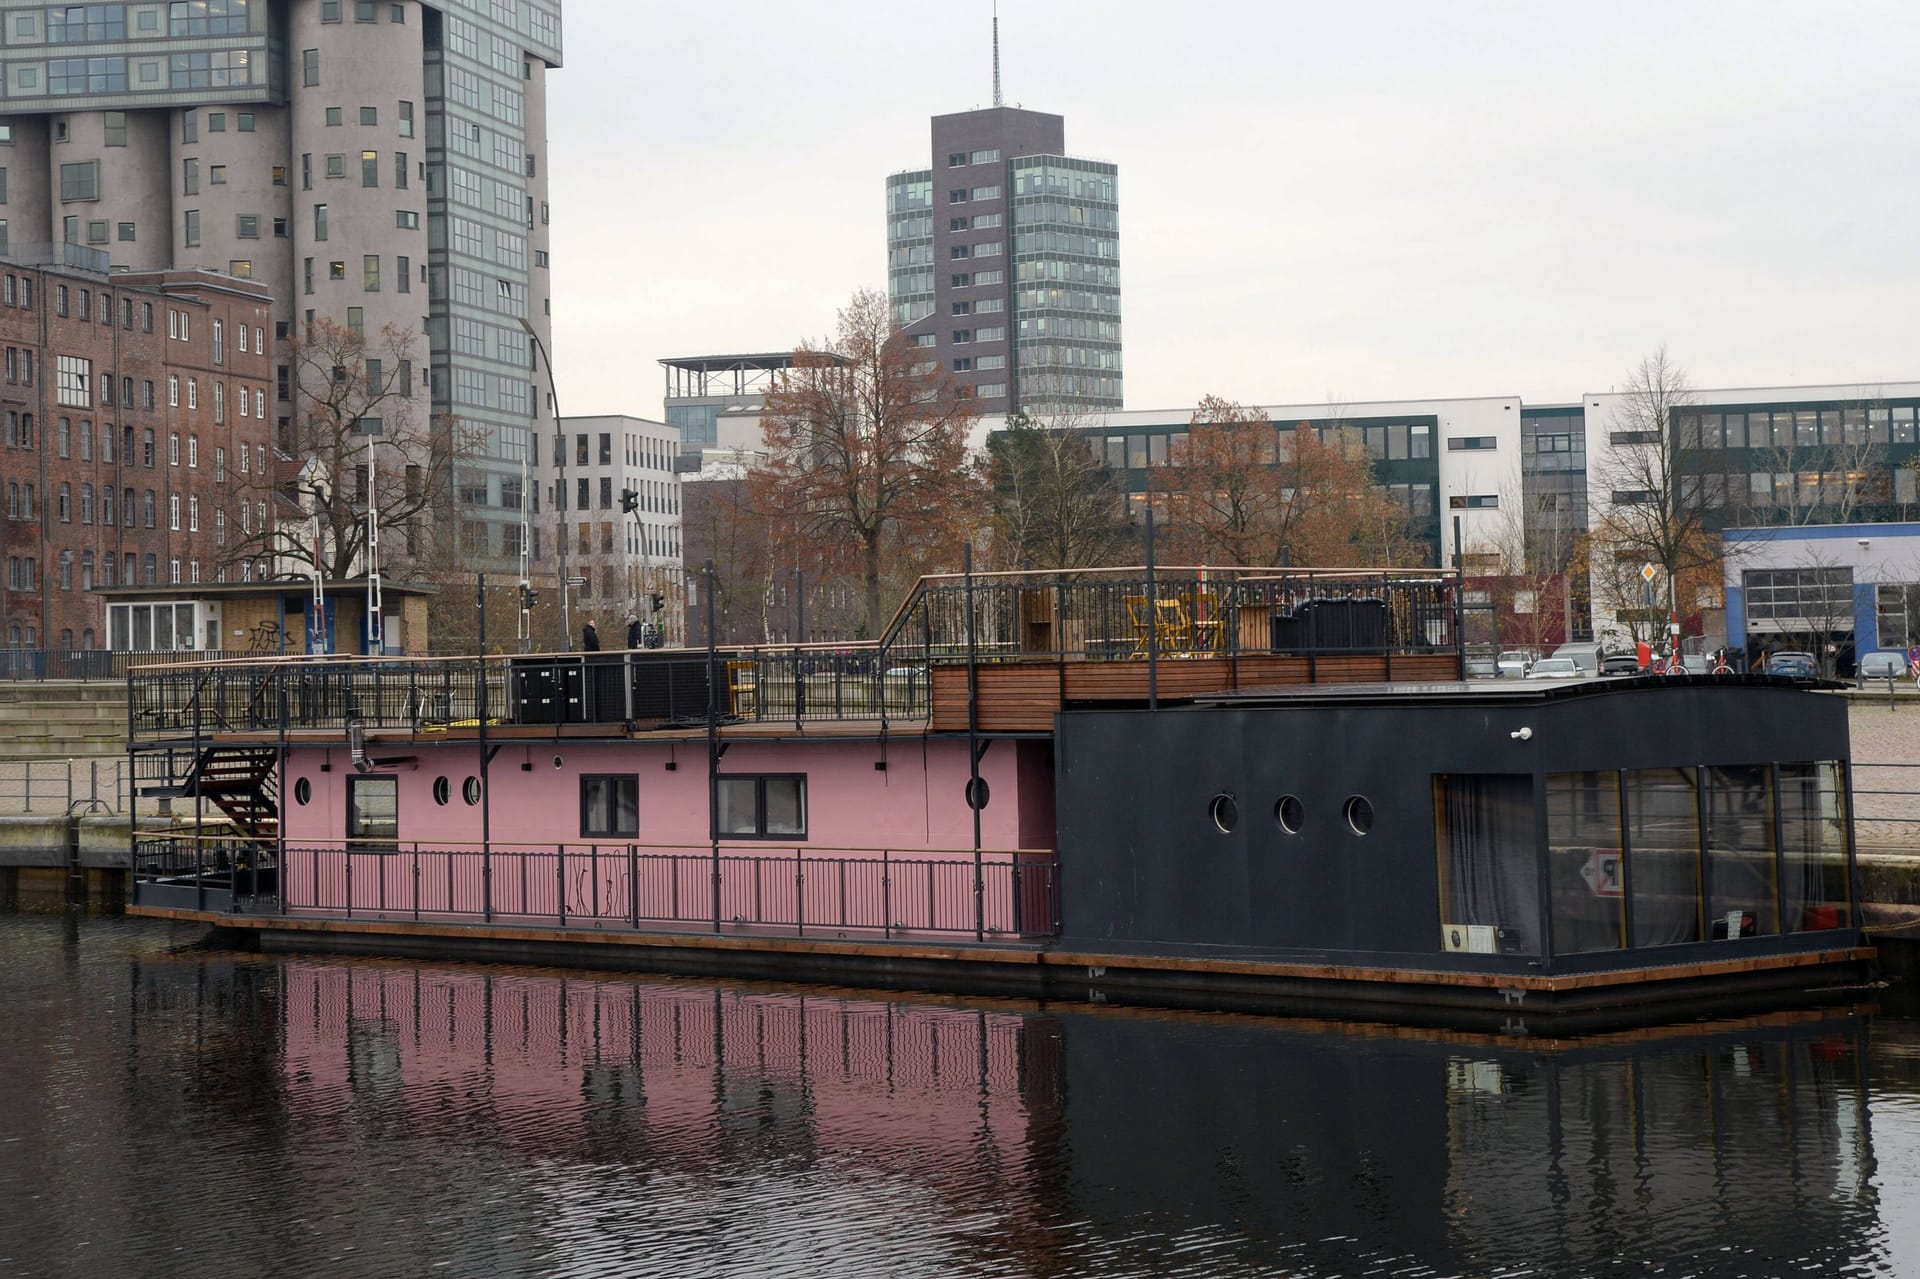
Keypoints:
pixel 799 892
pixel 633 885
pixel 713 743
pixel 973 751
pixel 886 896
pixel 1153 624
pixel 486 791
pixel 560 883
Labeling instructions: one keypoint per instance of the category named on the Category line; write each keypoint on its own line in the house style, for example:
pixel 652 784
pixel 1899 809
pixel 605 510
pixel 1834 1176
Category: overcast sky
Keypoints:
pixel 1352 202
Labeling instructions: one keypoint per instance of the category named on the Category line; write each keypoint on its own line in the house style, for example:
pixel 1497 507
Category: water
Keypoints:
pixel 174 1111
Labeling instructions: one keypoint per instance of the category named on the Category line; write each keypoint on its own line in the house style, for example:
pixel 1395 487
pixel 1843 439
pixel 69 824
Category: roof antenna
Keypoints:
pixel 996 53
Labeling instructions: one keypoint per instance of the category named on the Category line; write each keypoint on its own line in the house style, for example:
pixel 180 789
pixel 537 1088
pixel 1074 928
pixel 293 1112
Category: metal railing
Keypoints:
pixel 1003 893
pixel 88 665
pixel 1092 615
pixel 1100 614
pixel 63 785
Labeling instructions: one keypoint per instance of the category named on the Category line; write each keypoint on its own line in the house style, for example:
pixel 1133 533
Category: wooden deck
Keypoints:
pixel 1024 696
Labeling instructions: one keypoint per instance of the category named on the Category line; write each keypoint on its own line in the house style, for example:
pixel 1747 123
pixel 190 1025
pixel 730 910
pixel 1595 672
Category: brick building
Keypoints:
pixel 136 435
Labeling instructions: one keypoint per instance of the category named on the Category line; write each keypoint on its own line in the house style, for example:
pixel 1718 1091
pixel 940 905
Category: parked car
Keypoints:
pixel 1556 668
pixel 1620 664
pixel 1793 665
pixel 1883 665
pixel 1516 662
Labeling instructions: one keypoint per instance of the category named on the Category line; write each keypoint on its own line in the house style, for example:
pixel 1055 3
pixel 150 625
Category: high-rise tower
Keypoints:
pixel 373 163
pixel 1003 260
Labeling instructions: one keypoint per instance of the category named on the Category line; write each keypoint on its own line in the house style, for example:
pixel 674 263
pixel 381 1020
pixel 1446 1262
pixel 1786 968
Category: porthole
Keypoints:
pixel 442 790
pixel 1289 812
pixel 470 790
pixel 303 792
pixel 1359 814
pixel 977 792
pixel 1225 814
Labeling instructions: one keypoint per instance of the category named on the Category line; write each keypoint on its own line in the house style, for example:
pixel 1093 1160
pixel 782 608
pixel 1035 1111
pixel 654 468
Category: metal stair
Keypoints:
pixel 241 782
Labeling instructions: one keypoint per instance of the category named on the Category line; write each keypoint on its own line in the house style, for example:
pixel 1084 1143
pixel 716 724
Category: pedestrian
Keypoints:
pixel 636 634
pixel 589 639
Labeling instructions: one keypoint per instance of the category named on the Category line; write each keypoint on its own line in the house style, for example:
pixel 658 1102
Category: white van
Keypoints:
pixel 1586 656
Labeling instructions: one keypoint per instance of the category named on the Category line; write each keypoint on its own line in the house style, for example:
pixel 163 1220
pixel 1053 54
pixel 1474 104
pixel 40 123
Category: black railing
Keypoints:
pixel 794 890
pixel 1098 615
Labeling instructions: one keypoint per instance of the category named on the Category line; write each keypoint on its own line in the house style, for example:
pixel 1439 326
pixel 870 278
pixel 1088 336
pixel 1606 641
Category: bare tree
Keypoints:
pixel 1534 548
pixel 1056 504
pixel 867 454
pixel 1653 502
pixel 360 435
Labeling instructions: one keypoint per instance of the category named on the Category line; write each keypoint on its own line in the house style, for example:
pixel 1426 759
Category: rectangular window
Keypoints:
pixel 402 275
pixel 1458 443
pixel 319 221
pixel 1663 830
pixel 310 67
pixel 192 228
pixel 373 811
pixel 370 273
pixel 609 805
pixel 406 119
pixel 770 806
pixel 369 168
pixel 80 181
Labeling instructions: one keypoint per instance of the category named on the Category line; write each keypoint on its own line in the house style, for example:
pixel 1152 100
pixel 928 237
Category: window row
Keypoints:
pixel 1642 857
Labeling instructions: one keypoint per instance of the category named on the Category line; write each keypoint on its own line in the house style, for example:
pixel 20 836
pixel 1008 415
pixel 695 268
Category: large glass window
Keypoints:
pixel 1740 861
pixel 763 807
pixel 1663 827
pixel 1585 863
pixel 1814 893
pixel 373 812
pixel 609 805
pixel 1489 870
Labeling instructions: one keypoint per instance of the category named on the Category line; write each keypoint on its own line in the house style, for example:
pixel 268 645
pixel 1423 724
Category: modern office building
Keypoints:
pixel 373 164
pixel 1003 262
pixel 627 558
pixel 1481 476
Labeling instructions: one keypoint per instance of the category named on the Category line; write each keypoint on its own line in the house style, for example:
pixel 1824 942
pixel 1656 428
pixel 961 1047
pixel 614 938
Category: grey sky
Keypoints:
pixel 1366 201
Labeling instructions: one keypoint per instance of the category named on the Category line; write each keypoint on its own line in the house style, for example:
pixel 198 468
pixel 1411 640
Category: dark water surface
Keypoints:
pixel 181 1112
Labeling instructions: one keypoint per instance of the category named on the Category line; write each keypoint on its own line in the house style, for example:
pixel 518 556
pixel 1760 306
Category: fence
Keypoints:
pixel 799 890
pixel 63 785
pixel 1886 806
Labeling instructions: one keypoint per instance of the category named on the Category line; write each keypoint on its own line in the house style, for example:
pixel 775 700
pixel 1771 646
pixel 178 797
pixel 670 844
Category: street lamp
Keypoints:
pixel 560 501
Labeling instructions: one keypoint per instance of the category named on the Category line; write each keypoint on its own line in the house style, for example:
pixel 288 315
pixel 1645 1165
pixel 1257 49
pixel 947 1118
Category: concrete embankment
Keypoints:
pixel 55 860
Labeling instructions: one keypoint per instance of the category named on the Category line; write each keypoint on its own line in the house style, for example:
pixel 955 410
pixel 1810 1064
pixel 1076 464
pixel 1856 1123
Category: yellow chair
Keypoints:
pixel 1173 628
pixel 1206 622
pixel 741 689
pixel 1137 619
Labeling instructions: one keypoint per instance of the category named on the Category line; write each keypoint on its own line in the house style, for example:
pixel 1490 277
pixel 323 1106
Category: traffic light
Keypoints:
pixel 656 602
pixel 629 501
pixel 527 597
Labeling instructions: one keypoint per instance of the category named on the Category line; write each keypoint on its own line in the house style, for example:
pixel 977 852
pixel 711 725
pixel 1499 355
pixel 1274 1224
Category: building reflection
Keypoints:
pixel 1059 1140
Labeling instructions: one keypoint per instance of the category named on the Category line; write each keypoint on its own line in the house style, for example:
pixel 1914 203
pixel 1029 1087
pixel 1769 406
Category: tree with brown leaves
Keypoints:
pixel 867 456
pixel 1240 491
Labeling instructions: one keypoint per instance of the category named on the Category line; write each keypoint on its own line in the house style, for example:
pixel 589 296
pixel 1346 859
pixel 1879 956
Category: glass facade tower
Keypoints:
pixel 1003 263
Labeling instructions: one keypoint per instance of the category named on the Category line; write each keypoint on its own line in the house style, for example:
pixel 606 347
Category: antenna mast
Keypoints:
pixel 996 54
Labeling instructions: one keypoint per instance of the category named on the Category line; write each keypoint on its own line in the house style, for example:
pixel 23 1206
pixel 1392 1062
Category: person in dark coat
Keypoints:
pixel 589 639
pixel 636 633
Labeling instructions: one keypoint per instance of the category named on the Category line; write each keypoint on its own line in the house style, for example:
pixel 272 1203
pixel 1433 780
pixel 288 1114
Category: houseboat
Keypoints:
pixel 1239 789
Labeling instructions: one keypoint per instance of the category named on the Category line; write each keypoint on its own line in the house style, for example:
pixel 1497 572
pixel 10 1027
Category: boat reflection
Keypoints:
pixel 615 1117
